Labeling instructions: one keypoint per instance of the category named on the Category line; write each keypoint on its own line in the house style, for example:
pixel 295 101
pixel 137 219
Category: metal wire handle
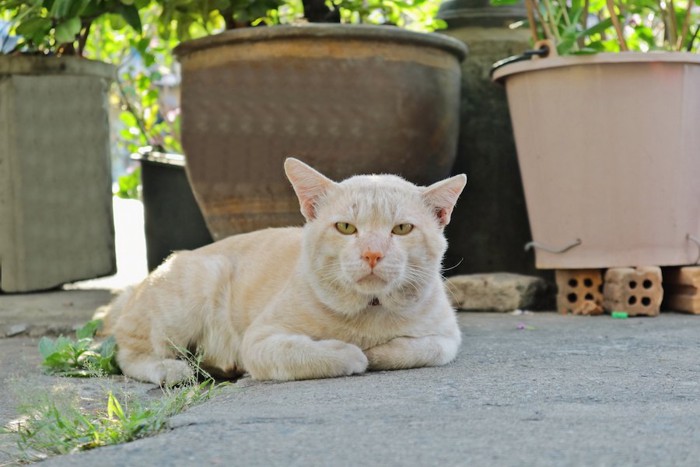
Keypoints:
pixel 542 51
pixel 548 249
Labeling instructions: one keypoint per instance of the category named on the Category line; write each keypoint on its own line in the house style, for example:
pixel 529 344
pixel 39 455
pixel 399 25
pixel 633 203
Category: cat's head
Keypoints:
pixel 372 238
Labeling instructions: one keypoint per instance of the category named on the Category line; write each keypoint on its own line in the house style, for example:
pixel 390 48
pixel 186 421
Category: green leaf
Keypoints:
pixel 89 330
pixel 114 408
pixel 131 15
pixel 108 347
pixel 78 7
pixel 46 347
pixel 67 30
pixel 56 361
pixel 117 22
pixel 34 28
pixel 128 119
pixel 63 344
pixel 59 8
pixel 129 185
pixel 142 45
pixel 600 27
pixel 148 59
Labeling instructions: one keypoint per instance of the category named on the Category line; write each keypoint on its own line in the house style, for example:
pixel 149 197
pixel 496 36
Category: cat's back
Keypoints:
pixel 260 260
pixel 282 244
pixel 253 267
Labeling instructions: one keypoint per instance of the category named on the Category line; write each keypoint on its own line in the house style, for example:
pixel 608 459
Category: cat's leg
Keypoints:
pixel 150 368
pixel 285 357
pixel 148 354
pixel 413 352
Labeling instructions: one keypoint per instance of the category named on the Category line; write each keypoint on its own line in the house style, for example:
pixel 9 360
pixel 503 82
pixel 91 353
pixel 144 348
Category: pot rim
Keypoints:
pixel 603 58
pixel 52 65
pixel 325 30
pixel 159 158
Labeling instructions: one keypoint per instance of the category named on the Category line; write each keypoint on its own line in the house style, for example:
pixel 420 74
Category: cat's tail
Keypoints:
pixel 109 314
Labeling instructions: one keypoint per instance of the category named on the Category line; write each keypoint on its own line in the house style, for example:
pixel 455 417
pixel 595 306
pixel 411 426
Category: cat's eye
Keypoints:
pixel 345 228
pixel 402 229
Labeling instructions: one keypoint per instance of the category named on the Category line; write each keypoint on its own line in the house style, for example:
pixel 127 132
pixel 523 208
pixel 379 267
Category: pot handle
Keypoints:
pixel 548 249
pixel 543 49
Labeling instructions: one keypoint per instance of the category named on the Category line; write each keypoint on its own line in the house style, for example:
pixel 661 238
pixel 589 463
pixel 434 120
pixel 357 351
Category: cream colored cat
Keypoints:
pixel 357 288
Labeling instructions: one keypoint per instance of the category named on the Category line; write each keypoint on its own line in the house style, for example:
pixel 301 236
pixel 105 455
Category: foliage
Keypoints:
pixel 52 426
pixel 62 27
pixel 589 26
pixel 128 185
pixel 187 19
pixel 148 114
pixel 82 357
pixel 411 14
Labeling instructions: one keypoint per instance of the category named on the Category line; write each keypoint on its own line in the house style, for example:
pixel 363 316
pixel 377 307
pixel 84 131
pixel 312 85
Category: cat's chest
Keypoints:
pixel 373 327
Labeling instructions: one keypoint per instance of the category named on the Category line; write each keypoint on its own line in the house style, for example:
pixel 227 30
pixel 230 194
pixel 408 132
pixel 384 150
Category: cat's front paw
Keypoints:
pixel 172 372
pixel 351 359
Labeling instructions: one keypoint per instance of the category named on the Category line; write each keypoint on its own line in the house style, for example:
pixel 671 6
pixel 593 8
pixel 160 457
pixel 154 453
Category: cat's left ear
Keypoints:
pixel 442 197
pixel 309 185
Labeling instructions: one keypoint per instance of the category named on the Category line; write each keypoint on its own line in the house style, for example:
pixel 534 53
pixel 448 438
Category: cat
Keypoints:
pixel 357 288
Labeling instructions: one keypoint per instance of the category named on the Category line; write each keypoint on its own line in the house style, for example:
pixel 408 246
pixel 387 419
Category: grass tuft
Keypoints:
pixel 53 425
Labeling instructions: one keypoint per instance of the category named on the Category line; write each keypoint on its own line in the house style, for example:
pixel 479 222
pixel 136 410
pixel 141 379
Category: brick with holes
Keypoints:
pixel 682 289
pixel 579 291
pixel 636 291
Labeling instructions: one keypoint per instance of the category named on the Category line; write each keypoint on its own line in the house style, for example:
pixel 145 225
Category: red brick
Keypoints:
pixel 579 291
pixel 682 286
pixel 638 292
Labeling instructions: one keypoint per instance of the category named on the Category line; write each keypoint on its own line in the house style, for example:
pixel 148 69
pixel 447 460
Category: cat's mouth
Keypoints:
pixel 371 278
pixel 371 284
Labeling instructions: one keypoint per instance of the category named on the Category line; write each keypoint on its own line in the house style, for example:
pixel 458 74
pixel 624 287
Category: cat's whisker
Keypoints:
pixel 444 269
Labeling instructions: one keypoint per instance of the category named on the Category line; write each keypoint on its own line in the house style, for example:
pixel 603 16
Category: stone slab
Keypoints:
pixel 499 292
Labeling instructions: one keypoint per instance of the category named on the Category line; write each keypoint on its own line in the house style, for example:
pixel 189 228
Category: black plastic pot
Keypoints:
pixel 173 220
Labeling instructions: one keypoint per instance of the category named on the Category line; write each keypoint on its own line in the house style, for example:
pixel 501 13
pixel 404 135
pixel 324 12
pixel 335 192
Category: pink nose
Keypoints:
pixel 372 257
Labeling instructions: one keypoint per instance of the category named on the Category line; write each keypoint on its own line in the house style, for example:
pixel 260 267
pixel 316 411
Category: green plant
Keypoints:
pixel 188 19
pixel 416 14
pixel 128 185
pixel 52 425
pixel 589 26
pixel 82 357
pixel 62 27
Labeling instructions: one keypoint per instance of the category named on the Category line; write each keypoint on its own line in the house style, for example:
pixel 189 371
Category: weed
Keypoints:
pixel 53 426
pixel 82 357
pixel 54 423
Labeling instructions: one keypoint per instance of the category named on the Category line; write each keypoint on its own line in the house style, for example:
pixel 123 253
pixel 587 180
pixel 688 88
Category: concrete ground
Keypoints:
pixel 536 389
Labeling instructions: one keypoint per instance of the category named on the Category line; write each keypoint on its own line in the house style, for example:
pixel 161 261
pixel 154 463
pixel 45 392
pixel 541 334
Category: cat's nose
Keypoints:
pixel 372 257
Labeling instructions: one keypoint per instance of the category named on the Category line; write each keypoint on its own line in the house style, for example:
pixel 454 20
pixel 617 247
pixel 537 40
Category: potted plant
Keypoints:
pixel 345 98
pixel 605 133
pixel 55 182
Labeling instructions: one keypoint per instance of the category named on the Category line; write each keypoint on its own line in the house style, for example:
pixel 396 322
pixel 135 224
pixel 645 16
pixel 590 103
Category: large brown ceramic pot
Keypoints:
pixel 346 99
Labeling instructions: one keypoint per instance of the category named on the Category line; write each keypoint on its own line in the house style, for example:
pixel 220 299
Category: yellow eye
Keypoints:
pixel 402 229
pixel 345 228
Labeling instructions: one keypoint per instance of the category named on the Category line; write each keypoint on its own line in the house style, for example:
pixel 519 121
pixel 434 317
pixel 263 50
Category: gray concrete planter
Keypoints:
pixel 346 99
pixel 55 183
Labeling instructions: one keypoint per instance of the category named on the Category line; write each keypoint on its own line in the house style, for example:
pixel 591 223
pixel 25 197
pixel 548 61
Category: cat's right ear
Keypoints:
pixel 309 185
pixel 442 197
